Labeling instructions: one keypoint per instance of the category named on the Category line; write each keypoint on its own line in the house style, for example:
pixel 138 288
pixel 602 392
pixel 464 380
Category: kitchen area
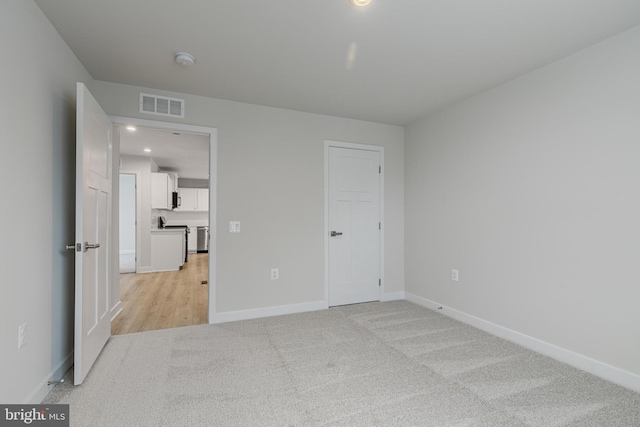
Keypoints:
pixel 164 229
pixel 179 220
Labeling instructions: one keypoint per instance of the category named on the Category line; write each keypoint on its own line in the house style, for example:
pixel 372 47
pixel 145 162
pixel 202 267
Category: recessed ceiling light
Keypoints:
pixel 185 59
pixel 361 2
pixel 147 150
pixel 131 128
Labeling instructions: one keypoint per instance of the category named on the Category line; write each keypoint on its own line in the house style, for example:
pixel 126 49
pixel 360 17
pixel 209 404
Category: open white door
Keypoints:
pixel 354 224
pixel 93 223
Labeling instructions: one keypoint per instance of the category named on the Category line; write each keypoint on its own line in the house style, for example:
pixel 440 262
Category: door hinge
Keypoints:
pixel 379 282
pixel 379 226
pixel 379 169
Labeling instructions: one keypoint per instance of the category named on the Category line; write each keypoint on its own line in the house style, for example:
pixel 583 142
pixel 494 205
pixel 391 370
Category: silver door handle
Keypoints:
pixel 336 233
pixel 88 246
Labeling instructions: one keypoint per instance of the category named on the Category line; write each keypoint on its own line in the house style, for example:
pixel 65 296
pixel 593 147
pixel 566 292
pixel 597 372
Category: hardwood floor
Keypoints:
pixel 164 300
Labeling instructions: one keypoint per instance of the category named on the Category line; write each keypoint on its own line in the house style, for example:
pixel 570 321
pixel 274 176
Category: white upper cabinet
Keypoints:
pixel 193 199
pixel 173 182
pixel 161 188
pixel 187 199
pixel 203 199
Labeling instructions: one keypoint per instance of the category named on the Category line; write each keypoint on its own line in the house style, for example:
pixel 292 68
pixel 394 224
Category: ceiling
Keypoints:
pixel 184 153
pixel 394 61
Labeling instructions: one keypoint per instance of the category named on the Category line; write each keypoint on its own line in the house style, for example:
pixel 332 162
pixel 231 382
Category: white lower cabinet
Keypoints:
pixel 193 239
pixel 167 249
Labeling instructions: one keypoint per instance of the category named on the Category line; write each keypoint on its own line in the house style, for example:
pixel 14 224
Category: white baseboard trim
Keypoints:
pixel 616 375
pixel 44 388
pixel 232 316
pixel 158 271
pixel 392 296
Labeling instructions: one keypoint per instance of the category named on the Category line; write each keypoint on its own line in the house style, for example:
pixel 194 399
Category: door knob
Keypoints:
pixel 336 233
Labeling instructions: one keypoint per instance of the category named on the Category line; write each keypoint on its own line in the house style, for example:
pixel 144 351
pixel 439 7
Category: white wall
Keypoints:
pixel 270 177
pixel 127 212
pixel 531 190
pixel 37 167
pixel 127 224
pixel 142 166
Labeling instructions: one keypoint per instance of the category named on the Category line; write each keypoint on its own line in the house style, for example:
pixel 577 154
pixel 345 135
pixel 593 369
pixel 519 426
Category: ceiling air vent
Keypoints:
pixel 161 105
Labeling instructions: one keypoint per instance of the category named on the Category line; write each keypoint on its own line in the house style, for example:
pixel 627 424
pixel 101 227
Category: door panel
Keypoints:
pixel 354 211
pixel 90 262
pixel 93 224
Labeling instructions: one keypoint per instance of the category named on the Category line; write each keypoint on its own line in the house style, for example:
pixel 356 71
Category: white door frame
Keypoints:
pixel 213 183
pixel 354 146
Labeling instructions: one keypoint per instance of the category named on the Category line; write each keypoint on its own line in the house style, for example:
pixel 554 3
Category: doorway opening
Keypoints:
pixel 174 166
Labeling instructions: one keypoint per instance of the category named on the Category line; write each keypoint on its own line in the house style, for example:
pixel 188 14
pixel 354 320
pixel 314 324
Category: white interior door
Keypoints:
pixel 354 226
pixel 93 223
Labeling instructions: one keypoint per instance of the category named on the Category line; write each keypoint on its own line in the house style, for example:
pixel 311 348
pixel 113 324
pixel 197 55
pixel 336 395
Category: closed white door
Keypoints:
pixel 354 226
pixel 93 225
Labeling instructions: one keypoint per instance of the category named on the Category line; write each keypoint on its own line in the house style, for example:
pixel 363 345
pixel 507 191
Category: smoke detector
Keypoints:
pixel 185 59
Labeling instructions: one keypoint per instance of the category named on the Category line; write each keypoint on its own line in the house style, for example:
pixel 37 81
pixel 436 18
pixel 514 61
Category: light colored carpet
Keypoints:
pixel 376 364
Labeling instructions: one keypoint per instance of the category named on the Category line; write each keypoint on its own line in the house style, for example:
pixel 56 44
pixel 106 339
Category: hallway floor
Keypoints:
pixel 172 299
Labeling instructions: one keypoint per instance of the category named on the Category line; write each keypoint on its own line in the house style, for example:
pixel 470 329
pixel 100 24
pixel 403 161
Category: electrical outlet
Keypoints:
pixel 275 273
pixel 22 335
pixel 454 275
pixel 234 226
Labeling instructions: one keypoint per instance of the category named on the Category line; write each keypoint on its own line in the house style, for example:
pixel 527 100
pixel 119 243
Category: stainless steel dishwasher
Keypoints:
pixel 203 239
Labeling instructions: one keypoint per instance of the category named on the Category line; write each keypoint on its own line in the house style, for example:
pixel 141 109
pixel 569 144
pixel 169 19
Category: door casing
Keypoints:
pixel 213 182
